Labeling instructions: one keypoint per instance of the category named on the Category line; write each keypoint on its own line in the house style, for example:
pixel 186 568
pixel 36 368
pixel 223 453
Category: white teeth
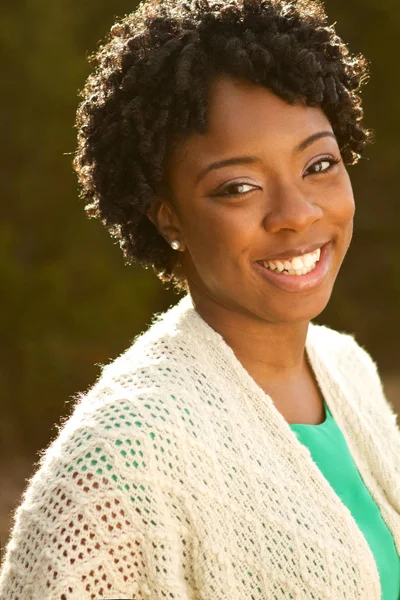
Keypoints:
pixel 309 260
pixel 298 265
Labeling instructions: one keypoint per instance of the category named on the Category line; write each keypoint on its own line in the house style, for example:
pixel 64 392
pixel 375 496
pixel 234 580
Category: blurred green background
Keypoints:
pixel 68 302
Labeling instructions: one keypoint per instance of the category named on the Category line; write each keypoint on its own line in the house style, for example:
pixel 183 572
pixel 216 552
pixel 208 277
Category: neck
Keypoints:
pixel 272 352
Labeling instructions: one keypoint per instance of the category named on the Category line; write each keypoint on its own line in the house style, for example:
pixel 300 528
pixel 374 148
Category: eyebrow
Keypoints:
pixel 247 160
pixel 313 138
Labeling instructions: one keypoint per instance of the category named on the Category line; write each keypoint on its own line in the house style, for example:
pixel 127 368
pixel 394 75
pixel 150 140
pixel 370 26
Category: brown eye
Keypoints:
pixel 231 189
pixel 323 165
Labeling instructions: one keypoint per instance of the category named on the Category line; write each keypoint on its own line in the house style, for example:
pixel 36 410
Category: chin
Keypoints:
pixel 295 309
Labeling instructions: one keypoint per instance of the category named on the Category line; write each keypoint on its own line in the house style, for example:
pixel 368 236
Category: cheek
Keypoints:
pixel 218 241
pixel 346 210
pixel 342 206
pixel 220 234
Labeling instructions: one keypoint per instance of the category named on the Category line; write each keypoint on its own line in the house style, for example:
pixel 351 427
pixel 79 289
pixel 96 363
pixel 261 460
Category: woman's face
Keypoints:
pixel 283 193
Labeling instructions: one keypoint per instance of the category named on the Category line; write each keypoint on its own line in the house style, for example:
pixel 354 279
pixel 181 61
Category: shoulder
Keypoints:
pixel 343 349
pixel 137 393
pixel 169 343
pixel 353 366
pixel 155 361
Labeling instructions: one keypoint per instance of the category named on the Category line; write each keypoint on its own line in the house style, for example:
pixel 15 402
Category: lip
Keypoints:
pixel 300 283
pixel 293 252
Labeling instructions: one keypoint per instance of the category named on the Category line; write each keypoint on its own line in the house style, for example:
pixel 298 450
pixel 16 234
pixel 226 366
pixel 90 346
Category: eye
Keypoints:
pixel 323 165
pixel 240 185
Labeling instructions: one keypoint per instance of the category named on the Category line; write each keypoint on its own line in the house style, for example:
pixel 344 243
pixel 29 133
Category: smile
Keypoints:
pixel 298 265
pixel 299 273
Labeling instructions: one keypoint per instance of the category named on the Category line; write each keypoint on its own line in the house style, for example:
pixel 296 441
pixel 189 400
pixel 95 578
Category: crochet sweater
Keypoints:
pixel 176 478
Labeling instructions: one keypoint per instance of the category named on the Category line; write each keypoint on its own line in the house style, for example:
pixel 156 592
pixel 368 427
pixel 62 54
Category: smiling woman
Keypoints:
pixel 236 450
pixel 297 199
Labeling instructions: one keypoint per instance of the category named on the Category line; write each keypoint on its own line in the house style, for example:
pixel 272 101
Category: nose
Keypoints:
pixel 290 208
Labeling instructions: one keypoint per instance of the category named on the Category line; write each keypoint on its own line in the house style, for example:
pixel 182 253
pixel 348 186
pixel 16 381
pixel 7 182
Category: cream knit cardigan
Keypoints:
pixel 175 478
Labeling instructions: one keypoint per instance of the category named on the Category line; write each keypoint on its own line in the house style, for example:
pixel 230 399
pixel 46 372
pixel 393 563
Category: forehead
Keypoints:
pixel 242 115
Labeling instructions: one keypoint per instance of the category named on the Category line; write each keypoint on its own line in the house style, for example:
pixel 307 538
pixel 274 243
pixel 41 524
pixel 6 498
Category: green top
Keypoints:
pixel 330 452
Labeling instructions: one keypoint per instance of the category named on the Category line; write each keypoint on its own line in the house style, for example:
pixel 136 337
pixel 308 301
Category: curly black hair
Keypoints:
pixel 150 86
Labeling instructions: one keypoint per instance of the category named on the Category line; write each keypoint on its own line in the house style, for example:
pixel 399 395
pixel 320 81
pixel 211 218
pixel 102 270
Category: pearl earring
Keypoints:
pixel 175 244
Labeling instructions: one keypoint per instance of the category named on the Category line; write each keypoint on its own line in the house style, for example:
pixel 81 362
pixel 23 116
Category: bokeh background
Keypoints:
pixel 68 303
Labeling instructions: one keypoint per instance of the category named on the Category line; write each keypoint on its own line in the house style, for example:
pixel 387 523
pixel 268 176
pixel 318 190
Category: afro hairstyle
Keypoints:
pixel 149 90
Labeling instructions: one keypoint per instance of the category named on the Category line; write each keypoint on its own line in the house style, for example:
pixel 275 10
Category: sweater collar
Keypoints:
pixel 187 320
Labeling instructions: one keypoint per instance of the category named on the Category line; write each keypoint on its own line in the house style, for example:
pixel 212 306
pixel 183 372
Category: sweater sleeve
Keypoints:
pixel 95 524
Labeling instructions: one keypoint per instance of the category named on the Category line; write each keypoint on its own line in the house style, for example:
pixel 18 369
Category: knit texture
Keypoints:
pixel 175 477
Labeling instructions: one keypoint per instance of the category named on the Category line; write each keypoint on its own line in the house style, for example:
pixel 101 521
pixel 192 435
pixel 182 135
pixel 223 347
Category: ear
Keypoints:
pixel 162 214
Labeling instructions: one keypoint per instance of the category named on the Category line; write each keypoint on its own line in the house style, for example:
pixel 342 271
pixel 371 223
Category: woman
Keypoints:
pixel 236 450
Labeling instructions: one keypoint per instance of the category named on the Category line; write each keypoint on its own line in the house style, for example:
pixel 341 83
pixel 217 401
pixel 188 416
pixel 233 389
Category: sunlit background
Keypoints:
pixel 68 302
